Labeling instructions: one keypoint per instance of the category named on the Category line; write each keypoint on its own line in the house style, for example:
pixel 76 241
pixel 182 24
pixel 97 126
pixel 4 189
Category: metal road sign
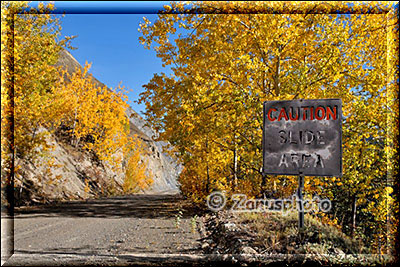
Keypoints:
pixel 303 136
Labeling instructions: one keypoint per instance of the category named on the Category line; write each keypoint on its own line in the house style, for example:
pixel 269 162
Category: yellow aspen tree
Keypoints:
pixel 96 121
pixel 30 44
pixel 228 58
pixel 95 116
pixel 137 177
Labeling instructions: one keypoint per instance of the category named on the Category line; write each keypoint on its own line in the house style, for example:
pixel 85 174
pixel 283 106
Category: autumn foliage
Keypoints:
pixel 136 175
pixel 39 99
pixel 228 58
pixel 93 112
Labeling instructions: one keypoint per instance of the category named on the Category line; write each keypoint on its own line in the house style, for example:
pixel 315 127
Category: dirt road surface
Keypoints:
pixel 121 230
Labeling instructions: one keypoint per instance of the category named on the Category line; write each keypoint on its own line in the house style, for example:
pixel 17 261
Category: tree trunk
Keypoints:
pixel 342 223
pixel 208 180
pixel 263 183
pixel 208 170
pixel 234 168
pixel 353 215
pixel 277 71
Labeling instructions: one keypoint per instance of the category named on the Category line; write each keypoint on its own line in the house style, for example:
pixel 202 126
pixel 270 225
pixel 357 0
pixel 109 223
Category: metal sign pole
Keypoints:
pixel 300 200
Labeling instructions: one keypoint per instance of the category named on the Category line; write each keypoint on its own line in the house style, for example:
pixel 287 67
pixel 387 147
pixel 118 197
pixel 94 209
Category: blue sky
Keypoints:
pixel 110 42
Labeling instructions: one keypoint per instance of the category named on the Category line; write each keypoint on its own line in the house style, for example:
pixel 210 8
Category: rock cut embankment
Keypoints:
pixel 77 174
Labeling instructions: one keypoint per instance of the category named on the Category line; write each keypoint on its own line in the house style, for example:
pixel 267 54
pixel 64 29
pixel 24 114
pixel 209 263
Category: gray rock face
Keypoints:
pixel 165 171
pixel 65 172
pixel 76 174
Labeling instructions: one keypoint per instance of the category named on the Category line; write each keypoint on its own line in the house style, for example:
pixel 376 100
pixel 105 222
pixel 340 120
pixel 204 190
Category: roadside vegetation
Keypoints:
pixel 227 58
pixel 273 235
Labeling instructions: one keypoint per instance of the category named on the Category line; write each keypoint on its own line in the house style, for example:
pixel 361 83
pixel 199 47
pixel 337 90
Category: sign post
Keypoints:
pixel 304 138
pixel 300 200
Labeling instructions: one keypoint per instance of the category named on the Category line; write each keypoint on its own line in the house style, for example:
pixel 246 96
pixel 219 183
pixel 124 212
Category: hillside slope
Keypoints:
pixel 165 171
pixel 77 174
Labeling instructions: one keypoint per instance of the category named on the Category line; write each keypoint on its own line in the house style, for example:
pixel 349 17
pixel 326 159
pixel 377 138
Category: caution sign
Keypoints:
pixel 303 136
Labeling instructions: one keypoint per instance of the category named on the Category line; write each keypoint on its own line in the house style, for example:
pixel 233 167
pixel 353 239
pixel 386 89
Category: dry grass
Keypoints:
pixel 279 233
pixel 276 233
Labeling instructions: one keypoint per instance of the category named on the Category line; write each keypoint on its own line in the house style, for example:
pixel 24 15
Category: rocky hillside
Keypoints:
pixel 77 174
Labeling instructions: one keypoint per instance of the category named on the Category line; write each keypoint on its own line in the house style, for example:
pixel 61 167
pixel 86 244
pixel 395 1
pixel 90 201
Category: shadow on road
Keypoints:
pixel 133 206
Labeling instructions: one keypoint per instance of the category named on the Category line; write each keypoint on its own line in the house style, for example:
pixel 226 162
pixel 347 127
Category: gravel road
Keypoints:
pixel 135 224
